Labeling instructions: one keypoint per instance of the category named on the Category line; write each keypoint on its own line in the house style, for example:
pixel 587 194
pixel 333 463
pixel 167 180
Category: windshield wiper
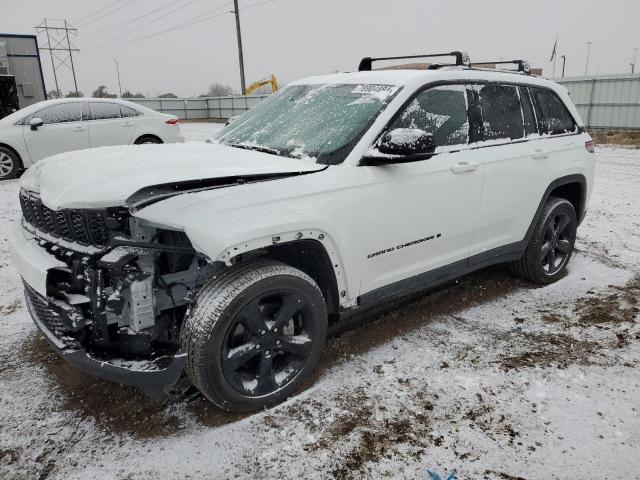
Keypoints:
pixel 257 148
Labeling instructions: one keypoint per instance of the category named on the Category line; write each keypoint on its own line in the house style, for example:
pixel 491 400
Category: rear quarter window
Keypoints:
pixel 128 112
pixel 553 116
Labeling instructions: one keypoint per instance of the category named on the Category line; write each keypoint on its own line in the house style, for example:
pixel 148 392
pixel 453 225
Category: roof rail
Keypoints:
pixel 462 58
pixel 523 65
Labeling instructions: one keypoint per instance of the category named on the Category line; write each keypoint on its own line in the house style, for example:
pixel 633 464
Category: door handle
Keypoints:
pixel 127 124
pixel 539 154
pixel 463 167
pixel 80 129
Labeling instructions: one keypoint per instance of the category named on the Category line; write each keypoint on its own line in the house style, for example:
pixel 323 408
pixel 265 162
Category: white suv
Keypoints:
pixel 337 193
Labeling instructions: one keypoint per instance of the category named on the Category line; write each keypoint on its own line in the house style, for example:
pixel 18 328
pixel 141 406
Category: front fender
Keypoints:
pixel 220 229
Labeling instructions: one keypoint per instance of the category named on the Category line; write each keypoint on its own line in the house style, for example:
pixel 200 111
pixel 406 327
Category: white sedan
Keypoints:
pixel 56 126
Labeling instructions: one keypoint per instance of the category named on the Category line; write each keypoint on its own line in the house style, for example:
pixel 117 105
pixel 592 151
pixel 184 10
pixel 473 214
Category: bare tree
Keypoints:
pixel 219 90
pixel 168 95
pixel 101 92
pixel 129 94
pixel 75 95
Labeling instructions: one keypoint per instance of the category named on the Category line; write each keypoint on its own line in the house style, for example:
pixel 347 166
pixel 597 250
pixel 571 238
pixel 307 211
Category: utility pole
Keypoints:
pixel 58 40
pixel 586 67
pixel 564 62
pixel 53 65
pixel 240 57
pixel 118 72
pixel 73 70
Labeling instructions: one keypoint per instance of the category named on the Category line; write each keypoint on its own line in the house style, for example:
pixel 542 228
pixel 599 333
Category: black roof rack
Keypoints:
pixel 523 65
pixel 461 59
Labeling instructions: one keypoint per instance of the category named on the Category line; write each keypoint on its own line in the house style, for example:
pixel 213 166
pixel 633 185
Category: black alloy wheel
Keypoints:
pixel 550 246
pixel 255 335
pixel 557 244
pixel 268 342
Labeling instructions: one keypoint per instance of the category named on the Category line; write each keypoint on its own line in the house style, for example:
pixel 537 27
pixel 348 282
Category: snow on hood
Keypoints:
pixel 107 176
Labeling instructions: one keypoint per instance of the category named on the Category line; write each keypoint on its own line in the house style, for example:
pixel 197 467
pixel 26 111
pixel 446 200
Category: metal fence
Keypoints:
pixel 609 102
pixel 603 101
pixel 202 108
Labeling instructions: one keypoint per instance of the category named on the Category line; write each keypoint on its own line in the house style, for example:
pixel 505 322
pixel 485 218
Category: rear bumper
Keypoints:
pixel 48 317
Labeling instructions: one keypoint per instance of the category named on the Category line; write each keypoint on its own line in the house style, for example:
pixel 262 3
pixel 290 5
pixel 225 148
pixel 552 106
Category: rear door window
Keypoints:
pixel 104 111
pixel 63 113
pixel 502 116
pixel 553 116
pixel 440 111
pixel 128 112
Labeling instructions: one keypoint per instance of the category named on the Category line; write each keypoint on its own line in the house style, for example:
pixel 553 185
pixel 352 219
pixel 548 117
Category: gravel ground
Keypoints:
pixel 488 376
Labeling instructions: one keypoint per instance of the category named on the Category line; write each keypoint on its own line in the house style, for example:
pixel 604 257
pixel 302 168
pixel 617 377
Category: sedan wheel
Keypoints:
pixel 9 164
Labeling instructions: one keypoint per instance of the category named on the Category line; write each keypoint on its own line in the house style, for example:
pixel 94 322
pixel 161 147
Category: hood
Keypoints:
pixel 109 176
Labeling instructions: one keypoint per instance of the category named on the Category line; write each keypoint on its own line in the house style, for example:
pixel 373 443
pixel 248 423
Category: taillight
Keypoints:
pixel 172 121
pixel 590 146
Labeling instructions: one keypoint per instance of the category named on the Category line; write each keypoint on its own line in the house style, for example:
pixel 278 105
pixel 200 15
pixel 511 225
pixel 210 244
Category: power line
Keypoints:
pixel 146 14
pixel 136 29
pixel 129 2
pixel 98 11
pixel 192 21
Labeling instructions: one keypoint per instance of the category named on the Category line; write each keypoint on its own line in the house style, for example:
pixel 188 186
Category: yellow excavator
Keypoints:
pixel 261 83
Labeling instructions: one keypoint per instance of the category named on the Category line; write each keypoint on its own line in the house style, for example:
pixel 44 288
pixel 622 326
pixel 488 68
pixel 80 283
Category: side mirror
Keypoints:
pixel 35 123
pixel 231 120
pixel 407 142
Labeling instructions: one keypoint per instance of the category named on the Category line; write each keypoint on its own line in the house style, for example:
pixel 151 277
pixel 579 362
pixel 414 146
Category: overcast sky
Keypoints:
pixel 297 38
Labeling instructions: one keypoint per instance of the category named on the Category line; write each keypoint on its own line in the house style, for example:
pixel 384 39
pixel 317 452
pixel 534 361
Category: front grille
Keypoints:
pixel 84 226
pixel 43 312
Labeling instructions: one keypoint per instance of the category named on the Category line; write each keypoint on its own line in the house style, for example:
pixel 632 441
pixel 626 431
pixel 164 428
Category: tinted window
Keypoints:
pixel 527 112
pixel 66 112
pixel 103 111
pixel 441 111
pixel 501 112
pixel 553 116
pixel 128 112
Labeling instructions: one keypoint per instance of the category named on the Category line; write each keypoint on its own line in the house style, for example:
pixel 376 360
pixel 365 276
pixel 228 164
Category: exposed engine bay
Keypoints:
pixel 128 297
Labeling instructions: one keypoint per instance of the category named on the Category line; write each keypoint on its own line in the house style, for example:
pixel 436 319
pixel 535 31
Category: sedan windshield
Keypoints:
pixel 321 122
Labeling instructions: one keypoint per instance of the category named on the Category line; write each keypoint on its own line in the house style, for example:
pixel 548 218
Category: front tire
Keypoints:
pixel 255 335
pixel 10 164
pixel 551 245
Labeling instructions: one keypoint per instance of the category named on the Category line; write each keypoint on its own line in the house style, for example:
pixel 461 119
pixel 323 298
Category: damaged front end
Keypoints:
pixel 121 288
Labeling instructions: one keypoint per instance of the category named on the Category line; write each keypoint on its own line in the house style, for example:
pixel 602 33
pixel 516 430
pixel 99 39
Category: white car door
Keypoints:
pixel 107 127
pixel 520 164
pixel 62 131
pixel 421 215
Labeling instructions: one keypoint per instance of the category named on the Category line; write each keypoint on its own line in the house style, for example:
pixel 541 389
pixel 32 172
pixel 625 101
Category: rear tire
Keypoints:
pixel 10 164
pixel 147 139
pixel 255 335
pixel 551 244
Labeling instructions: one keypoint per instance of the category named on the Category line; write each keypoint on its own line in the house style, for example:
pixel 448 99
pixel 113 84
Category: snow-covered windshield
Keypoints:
pixel 321 122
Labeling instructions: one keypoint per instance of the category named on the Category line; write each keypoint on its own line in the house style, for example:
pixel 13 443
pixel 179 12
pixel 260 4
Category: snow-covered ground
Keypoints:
pixel 490 376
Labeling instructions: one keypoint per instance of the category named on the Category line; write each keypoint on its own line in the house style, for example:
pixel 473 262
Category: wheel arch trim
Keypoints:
pixel 559 182
pixel 322 238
